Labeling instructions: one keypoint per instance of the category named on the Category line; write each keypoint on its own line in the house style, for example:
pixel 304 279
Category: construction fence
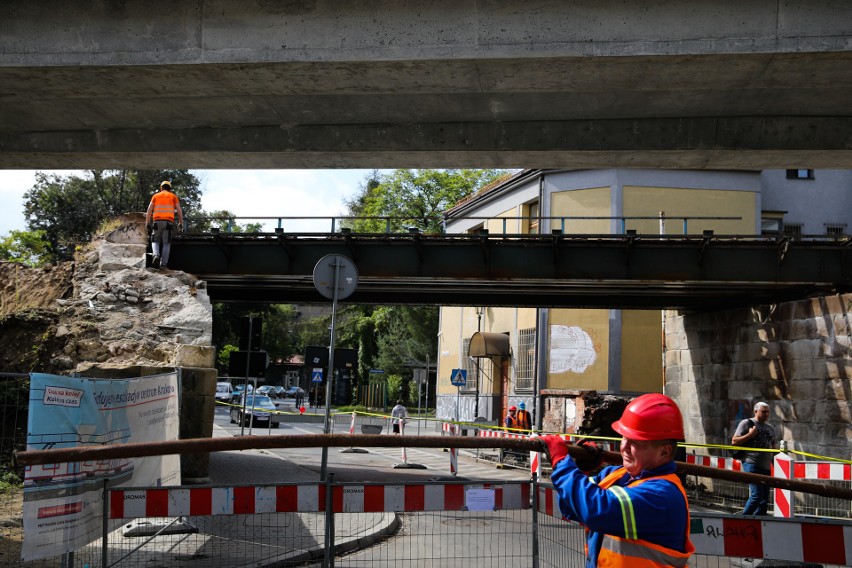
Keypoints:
pixel 448 523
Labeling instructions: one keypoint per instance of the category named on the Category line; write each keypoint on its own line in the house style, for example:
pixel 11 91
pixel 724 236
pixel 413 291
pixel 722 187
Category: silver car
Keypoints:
pixel 259 411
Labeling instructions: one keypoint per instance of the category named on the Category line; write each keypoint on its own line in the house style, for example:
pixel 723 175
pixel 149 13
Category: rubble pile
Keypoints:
pixel 106 310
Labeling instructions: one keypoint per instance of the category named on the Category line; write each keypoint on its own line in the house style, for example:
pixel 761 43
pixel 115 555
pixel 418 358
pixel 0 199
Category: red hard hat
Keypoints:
pixel 651 417
pixel 511 408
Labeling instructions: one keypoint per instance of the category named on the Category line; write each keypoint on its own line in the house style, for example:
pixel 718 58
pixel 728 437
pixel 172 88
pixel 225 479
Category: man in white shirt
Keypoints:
pixel 398 416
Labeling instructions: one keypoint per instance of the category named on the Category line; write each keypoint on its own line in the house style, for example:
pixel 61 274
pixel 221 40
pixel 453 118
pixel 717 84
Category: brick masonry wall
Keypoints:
pixel 794 356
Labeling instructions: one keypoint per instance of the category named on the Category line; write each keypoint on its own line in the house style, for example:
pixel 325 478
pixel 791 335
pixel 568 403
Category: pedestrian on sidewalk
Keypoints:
pixel 398 416
pixel 635 514
pixel 756 433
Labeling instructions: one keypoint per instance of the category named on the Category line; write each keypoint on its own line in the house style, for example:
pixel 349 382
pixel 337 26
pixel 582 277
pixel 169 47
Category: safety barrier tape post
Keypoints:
pixel 783 468
pixel 454 459
pixel 535 461
pixel 350 449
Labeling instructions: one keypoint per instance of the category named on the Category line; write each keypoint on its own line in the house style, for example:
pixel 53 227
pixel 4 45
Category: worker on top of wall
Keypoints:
pixel 160 218
pixel 637 514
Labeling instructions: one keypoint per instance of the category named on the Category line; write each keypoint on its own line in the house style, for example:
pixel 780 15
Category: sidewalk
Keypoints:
pixel 253 540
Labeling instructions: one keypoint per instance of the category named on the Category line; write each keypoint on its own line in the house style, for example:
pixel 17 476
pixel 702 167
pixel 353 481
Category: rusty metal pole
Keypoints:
pixel 195 445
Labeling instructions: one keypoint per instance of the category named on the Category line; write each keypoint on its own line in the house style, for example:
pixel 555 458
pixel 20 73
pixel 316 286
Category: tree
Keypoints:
pixel 69 210
pixel 413 198
pixel 398 338
pixel 26 247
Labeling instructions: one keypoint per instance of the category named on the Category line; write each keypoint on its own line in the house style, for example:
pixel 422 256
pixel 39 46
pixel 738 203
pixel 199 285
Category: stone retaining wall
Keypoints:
pixel 794 356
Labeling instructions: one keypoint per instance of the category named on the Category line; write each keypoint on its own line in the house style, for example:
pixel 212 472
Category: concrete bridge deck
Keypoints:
pixel 445 83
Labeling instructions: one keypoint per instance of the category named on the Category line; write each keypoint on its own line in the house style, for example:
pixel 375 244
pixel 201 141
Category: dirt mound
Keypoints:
pixel 23 288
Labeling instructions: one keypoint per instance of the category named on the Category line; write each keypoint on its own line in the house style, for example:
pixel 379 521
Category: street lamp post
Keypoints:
pixel 479 311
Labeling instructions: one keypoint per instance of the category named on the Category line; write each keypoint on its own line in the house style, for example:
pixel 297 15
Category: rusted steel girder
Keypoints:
pixel 200 445
pixel 579 271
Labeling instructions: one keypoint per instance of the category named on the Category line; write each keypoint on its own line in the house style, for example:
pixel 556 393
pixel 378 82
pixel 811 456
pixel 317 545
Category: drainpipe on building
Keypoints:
pixel 540 322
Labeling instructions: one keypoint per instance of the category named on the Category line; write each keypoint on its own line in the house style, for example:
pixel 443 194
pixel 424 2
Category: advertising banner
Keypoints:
pixel 63 502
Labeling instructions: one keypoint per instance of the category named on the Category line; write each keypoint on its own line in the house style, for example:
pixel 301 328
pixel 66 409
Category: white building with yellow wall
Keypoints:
pixel 559 352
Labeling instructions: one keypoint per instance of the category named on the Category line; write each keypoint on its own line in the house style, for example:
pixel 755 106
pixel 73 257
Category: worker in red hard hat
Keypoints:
pixel 635 514
pixel 511 420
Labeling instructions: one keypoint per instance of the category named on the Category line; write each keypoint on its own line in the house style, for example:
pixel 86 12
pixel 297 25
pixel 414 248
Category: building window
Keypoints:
pixel 771 222
pixel 793 229
pixel 530 213
pixel 835 229
pixel 471 368
pixel 800 174
pixel 525 360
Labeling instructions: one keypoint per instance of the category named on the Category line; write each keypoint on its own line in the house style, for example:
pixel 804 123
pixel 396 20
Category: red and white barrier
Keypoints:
pixel 783 468
pixel 352 424
pixel 714 462
pixel 310 498
pixel 535 462
pixel 822 470
pixel 763 537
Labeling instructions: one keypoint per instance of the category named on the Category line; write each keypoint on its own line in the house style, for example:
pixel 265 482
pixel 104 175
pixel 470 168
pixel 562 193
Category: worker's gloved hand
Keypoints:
pixel 557 448
pixel 595 458
pixel 149 227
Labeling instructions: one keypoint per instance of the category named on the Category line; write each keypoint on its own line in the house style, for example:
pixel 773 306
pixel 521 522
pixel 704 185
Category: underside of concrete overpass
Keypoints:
pixel 590 271
pixel 445 83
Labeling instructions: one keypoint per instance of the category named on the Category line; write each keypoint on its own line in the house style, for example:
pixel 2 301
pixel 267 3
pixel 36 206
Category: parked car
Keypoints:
pixel 237 392
pixel 291 392
pixel 265 390
pixel 279 391
pixel 259 409
pixel 223 392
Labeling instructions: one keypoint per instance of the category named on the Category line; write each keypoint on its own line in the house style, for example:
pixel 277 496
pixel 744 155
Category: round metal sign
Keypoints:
pixel 347 276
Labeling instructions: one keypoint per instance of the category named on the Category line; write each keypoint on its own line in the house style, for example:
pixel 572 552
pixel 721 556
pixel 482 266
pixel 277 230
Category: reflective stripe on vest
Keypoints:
pixel 164 206
pixel 631 550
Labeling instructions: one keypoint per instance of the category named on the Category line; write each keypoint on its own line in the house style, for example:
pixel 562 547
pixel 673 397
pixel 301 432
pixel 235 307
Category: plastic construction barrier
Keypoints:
pixel 311 498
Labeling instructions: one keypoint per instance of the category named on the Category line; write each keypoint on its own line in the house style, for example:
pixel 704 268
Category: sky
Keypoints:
pixel 246 193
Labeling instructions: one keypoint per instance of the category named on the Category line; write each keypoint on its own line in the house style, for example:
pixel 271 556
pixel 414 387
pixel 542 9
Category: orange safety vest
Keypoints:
pixel 165 206
pixel 618 552
pixel 524 420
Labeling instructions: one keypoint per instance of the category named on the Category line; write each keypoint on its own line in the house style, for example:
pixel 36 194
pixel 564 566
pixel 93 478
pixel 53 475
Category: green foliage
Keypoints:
pixel 395 388
pixel 223 220
pixel 224 355
pixel 413 394
pixel 413 198
pixel 9 480
pixel 69 210
pixel 277 336
pixel 26 247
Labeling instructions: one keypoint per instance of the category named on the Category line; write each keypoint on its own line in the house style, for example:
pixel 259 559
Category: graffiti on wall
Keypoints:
pixel 571 349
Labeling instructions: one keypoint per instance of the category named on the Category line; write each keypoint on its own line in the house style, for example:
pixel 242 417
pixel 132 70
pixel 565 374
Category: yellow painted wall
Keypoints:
pixel 594 323
pixel 507 222
pixel 641 351
pixel 649 201
pixel 593 202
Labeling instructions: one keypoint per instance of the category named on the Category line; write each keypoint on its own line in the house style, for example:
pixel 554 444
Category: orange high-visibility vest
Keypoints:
pixel 617 552
pixel 165 206
pixel 524 420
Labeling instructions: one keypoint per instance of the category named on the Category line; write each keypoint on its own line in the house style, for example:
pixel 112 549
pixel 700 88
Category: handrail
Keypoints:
pixel 337 221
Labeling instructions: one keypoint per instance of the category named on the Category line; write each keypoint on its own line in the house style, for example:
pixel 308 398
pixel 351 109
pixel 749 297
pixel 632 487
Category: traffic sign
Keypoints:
pixel 458 377
pixel 316 375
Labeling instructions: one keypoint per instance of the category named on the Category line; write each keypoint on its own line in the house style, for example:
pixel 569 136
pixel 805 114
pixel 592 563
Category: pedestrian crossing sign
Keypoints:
pixel 316 375
pixel 458 377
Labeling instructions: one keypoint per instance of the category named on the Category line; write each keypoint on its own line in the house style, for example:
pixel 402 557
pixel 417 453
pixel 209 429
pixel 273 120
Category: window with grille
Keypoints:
pixel 793 229
pixel 800 174
pixel 531 214
pixel 835 229
pixel 471 368
pixel 525 371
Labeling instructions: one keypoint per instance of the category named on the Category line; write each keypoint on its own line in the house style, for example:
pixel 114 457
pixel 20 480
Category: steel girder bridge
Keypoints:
pixel 701 272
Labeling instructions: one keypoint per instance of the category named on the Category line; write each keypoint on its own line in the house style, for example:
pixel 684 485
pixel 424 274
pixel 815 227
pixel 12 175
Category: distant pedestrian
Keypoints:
pixel 524 418
pixel 511 420
pixel 160 218
pixel 398 416
pixel 756 433
pixel 298 398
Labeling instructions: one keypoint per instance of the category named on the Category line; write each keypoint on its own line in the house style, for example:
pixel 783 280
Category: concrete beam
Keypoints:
pixel 313 83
